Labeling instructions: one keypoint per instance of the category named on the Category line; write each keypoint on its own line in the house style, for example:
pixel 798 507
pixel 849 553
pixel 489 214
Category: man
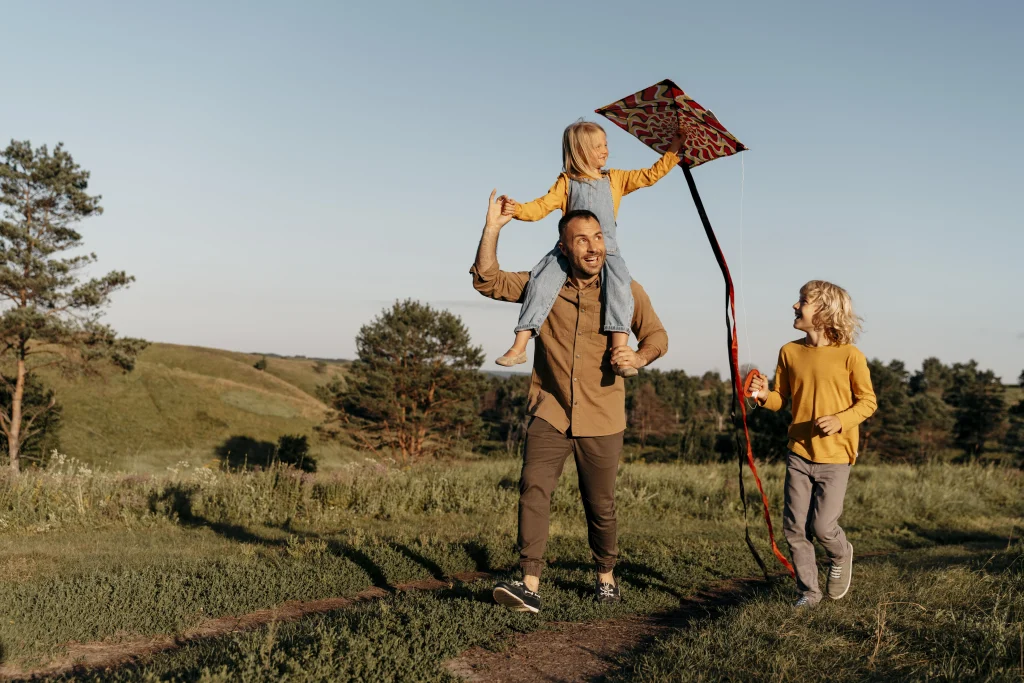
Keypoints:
pixel 577 402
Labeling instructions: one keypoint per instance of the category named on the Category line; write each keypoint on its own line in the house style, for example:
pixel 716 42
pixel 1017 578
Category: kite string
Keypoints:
pixel 743 295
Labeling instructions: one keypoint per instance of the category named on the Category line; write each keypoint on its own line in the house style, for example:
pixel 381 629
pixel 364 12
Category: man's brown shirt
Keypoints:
pixel 573 387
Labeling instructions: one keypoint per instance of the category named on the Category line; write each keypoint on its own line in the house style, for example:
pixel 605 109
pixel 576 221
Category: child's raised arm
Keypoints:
pixel 628 181
pixel 542 206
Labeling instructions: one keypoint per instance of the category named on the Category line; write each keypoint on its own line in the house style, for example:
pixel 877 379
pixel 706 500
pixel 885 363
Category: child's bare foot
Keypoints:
pixel 512 357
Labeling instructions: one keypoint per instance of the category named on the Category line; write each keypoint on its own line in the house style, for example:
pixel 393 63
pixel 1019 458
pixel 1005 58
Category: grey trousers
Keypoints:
pixel 814 502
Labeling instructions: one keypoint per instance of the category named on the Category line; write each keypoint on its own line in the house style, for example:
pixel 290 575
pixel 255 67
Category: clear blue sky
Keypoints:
pixel 274 174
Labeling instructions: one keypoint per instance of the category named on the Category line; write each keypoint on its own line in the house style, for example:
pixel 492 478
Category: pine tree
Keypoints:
pixel 415 386
pixel 51 317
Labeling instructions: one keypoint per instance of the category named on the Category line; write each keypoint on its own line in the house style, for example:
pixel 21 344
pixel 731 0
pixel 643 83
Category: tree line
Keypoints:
pixel 415 390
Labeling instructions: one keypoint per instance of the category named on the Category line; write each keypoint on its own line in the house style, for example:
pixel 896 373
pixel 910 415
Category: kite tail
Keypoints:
pixel 737 388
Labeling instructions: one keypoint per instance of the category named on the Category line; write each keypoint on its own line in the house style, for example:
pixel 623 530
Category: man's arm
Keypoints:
pixel 650 333
pixel 488 279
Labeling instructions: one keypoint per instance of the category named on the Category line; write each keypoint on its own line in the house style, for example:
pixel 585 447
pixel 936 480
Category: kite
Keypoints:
pixel 653 115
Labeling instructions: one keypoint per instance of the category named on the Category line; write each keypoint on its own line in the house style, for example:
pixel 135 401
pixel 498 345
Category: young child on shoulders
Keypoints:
pixel 585 184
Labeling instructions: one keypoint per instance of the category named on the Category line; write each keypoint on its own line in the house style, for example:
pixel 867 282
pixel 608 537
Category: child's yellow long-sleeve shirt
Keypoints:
pixel 622 183
pixel 823 380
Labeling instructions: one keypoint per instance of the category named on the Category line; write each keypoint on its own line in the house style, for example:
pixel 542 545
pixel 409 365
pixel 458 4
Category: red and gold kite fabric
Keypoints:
pixel 654 115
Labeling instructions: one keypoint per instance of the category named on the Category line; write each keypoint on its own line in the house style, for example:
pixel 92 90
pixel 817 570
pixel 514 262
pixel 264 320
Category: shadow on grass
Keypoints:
pixel 954 536
pixel 629 573
pixel 480 556
pixel 432 567
pixel 178 499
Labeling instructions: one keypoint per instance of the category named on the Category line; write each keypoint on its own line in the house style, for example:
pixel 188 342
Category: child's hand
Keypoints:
pixel 759 386
pixel 508 205
pixel 686 130
pixel 829 425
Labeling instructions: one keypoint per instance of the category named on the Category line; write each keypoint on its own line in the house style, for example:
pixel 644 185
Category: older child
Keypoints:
pixel 828 381
pixel 584 185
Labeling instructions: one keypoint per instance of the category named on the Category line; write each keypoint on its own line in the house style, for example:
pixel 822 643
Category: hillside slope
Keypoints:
pixel 183 402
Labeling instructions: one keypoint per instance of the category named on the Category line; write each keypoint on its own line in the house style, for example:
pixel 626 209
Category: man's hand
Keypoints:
pixel 829 425
pixel 625 357
pixel 496 218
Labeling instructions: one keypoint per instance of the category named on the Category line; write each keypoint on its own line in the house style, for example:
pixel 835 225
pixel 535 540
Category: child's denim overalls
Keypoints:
pixel 548 277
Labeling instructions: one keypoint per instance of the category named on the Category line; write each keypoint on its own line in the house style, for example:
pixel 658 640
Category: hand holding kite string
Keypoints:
pixel 755 385
pixel 685 131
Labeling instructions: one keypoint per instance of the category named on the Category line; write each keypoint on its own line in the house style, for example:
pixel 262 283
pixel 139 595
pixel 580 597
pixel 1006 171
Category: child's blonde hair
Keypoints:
pixel 577 143
pixel 835 311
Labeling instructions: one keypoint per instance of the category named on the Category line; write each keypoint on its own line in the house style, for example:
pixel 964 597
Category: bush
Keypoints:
pixel 294 451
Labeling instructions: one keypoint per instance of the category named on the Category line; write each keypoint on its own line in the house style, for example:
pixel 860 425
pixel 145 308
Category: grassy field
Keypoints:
pixel 181 403
pixel 953 613
pixel 161 554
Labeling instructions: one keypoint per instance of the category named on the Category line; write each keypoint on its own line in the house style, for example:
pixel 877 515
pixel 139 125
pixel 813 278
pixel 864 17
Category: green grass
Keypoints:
pixel 181 402
pixel 952 614
pixel 161 554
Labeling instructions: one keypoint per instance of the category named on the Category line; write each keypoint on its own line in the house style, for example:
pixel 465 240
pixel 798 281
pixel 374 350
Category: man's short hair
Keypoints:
pixel 571 215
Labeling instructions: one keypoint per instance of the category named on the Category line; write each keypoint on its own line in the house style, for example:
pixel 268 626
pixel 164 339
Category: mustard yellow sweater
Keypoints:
pixel 823 380
pixel 622 182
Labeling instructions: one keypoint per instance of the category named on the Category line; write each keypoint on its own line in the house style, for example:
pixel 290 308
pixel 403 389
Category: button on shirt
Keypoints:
pixel 573 387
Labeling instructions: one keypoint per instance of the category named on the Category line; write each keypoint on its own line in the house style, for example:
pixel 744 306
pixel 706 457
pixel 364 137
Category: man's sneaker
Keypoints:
pixel 607 593
pixel 839 576
pixel 516 596
pixel 805 602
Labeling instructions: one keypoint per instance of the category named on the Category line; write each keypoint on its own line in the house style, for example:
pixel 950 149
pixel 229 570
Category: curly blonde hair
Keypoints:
pixel 577 143
pixel 835 311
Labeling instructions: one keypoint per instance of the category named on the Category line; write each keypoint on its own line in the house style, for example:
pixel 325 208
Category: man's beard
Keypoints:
pixel 584 267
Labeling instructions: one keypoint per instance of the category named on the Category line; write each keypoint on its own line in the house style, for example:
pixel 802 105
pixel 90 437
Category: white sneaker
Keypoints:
pixel 839 577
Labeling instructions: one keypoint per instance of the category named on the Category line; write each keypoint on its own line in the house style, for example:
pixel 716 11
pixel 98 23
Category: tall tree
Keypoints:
pixel 45 434
pixel 933 377
pixel 889 432
pixel 649 415
pixel 1014 439
pixel 504 408
pixel 415 386
pixel 50 315
pixel 979 404
pixel 932 422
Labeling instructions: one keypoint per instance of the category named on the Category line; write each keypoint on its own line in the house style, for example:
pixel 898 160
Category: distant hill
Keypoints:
pixel 183 402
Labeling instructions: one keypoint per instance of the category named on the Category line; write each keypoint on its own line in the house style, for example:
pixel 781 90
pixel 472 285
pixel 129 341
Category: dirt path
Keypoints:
pixel 588 652
pixel 571 652
pixel 80 657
